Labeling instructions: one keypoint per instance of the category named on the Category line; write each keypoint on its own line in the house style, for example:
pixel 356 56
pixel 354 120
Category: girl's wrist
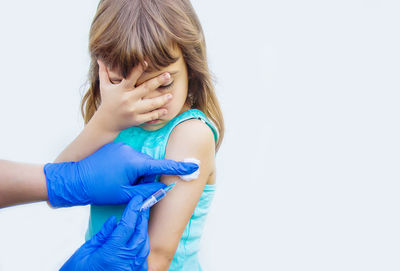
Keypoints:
pixel 100 127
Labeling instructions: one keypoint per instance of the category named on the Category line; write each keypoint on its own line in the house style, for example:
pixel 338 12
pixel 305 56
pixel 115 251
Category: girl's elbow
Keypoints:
pixel 160 259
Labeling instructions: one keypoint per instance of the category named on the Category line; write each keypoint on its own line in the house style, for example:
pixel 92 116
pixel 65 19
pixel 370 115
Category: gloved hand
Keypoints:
pixel 116 247
pixel 107 176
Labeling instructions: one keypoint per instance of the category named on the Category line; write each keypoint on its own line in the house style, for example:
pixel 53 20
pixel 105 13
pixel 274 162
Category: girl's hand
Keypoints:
pixel 122 105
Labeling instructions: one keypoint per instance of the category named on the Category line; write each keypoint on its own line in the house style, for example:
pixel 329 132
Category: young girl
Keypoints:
pixel 155 49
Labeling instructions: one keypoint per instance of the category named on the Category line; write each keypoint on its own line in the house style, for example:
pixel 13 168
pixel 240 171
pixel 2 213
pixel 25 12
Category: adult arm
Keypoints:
pixel 21 183
pixel 105 177
pixel 170 216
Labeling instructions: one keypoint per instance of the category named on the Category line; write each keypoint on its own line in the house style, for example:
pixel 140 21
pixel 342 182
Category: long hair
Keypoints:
pixel 125 33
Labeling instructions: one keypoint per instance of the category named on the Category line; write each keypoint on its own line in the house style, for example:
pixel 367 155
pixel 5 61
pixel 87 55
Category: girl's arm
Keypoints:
pixel 168 218
pixel 122 106
pixel 92 137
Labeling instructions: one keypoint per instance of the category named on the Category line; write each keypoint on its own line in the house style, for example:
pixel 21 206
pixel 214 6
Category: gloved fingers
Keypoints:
pixel 81 255
pixel 144 190
pixel 140 242
pixel 141 232
pixel 108 148
pixel 143 252
pixel 127 225
pixel 140 267
pixel 147 179
pixel 102 236
pixel 86 249
pixel 169 167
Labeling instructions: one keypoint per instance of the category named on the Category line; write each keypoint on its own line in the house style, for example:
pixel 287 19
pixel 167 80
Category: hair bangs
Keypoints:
pixel 157 44
pixel 133 37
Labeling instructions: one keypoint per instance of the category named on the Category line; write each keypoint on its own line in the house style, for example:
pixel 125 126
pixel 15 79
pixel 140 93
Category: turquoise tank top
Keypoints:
pixel 154 144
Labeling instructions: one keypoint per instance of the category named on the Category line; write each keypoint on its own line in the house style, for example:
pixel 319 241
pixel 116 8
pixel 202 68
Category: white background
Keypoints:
pixel 308 174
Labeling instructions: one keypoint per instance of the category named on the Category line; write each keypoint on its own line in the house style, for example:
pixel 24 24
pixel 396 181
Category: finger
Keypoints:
pixel 144 252
pixel 152 84
pixel 134 75
pixel 138 240
pixel 111 148
pixel 127 225
pixel 103 73
pixel 102 236
pixel 143 267
pixel 153 115
pixel 148 105
pixel 169 167
pixel 145 190
pixel 148 179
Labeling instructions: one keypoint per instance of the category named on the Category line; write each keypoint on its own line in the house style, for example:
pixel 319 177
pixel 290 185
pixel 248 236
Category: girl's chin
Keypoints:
pixel 153 125
pixel 153 122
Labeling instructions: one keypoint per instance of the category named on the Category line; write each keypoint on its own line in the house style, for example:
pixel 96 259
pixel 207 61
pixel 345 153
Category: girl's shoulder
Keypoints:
pixel 193 131
pixel 194 137
pixel 193 123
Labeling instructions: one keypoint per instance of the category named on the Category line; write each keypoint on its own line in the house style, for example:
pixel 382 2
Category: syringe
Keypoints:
pixel 156 197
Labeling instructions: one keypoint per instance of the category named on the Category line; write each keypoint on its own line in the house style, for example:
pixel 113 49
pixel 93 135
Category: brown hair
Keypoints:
pixel 126 32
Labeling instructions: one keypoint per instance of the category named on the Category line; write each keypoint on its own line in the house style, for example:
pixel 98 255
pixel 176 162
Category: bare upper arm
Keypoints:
pixel 168 219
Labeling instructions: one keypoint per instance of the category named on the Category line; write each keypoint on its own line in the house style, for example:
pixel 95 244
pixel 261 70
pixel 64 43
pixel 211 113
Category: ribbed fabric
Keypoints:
pixel 154 144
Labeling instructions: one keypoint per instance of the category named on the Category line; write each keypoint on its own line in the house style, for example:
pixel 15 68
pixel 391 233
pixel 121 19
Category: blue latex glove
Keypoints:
pixel 116 247
pixel 107 176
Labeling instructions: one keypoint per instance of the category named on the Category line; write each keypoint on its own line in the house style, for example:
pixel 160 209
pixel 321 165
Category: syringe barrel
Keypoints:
pixel 159 194
pixel 156 197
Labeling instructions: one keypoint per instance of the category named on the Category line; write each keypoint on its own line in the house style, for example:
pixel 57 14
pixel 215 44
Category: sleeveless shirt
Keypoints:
pixel 154 143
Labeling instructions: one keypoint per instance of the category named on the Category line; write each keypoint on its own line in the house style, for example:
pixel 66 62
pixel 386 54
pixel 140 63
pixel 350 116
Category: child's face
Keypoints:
pixel 177 86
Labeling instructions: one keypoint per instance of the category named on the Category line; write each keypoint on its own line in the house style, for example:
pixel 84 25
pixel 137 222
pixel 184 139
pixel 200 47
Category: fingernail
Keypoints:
pixel 167 76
